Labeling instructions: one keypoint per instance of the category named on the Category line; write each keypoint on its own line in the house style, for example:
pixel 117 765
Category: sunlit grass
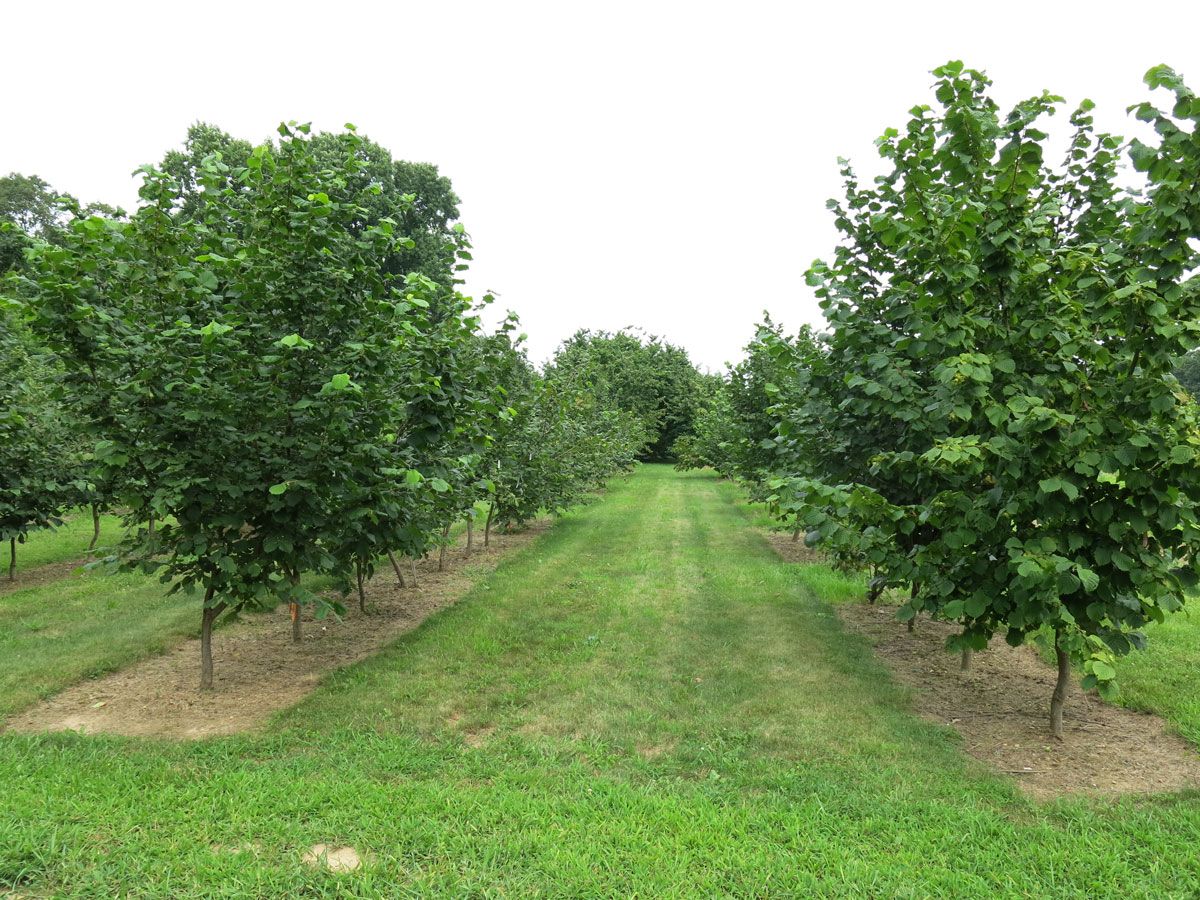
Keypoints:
pixel 644 702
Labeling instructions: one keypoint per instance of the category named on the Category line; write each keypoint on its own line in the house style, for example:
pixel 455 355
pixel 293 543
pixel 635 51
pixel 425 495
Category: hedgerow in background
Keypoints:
pixel 1002 338
pixel 32 489
pixel 558 439
pixel 648 377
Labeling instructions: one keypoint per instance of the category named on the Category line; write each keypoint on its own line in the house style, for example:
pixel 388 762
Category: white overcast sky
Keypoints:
pixel 663 165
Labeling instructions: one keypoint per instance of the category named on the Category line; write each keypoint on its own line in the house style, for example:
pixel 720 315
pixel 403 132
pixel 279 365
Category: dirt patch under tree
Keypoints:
pixel 791 548
pixel 259 671
pixel 1001 709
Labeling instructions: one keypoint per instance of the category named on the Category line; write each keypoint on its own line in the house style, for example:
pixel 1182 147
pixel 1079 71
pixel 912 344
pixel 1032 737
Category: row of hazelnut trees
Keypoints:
pixel 990 423
pixel 253 371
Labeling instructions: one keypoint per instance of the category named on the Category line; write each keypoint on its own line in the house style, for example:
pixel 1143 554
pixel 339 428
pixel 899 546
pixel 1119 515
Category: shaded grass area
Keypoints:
pixel 66 542
pixel 644 702
pixel 91 621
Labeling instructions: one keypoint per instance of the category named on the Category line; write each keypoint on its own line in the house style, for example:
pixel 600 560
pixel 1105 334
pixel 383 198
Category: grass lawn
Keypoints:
pixel 91 621
pixel 82 625
pixel 1165 678
pixel 69 541
pixel 645 702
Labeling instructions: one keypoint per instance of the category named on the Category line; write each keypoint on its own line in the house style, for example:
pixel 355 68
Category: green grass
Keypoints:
pixel 69 541
pixel 644 702
pixel 85 624
pixel 91 621
pixel 1165 677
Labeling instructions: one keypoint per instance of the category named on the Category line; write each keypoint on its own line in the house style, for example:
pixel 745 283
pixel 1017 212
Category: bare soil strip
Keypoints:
pixel 792 549
pixel 1001 709
pixel 259 671
pixel 39 575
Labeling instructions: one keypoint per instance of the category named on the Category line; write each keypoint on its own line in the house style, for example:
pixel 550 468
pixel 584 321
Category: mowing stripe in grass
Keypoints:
pixel 645 702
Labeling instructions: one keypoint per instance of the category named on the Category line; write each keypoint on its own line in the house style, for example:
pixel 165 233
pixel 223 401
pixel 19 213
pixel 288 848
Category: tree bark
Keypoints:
pixel 150 525
pixel 470 533
pixel 487 528
pixel 912 623
pixel 442 549
pixel 795 535
pixel 12 559
pixel 1059 697
pixel 362 598
pixel 396 567
pixel 296 612
pixel 95 526
pixel 206 624
pixel 964 664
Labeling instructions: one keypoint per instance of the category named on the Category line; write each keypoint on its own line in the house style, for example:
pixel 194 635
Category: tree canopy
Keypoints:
pixel 646 376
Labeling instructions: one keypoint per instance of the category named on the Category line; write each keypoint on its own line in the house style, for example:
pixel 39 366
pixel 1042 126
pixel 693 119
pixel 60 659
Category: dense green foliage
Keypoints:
pixel 268 369
pixel 992 422
pixel 650 378
pixel 32 483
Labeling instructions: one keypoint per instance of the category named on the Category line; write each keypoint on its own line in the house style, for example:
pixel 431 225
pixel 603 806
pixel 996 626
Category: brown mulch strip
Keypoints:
pixel 795 551
pixel 1001 707
pixel 258 670
pixel 39 575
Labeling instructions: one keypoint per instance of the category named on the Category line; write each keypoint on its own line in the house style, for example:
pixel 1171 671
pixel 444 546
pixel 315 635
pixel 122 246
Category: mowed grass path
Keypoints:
pixel 646 702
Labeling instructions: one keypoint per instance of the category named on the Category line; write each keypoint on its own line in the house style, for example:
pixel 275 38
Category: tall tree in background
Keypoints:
pixel 414 196
pixel 648 377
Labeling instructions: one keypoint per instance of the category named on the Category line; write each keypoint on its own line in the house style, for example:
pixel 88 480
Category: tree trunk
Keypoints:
pixel 95 526
pixel 874 589
pixel 442 549
pixel 396 568
pixel 206 624
pixel 964 664
pixel 294 609
pixel 912 623
pixel 150 525
pixel 470 532
pixel 487 527
pixel 1059 697
pixel 413 564
pixel 12 559
pixel 795 535
pixel 362 598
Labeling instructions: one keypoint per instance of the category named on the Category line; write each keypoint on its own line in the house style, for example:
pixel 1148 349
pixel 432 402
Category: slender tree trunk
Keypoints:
pixel 95 526
pixel 470 533
pixel 1059 697
pixel 442 549
pixel 964 664
pixel 487 527
pixel 795 535
pixel 413 568
pixel 396 568
pixel 12 559
pixel 362 598
pixel 296 612
pixel 912 623
pixel 206 624
pixel 150 525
